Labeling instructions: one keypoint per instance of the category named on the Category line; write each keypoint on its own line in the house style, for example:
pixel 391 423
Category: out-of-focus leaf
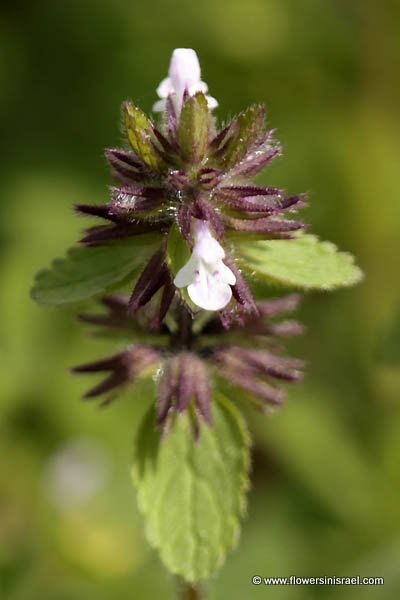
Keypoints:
pixel 193 127
pixel 388 348
pixel 85 272
pixel 303 262
pixel 192 494
pixel 141 136
pixel 318 448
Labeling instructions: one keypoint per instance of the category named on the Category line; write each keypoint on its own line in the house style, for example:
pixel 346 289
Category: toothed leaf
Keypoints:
pixel 85 272
pixel 193 494
pixel 303 262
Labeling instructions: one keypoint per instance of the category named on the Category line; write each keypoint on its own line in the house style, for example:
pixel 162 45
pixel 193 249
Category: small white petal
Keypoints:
pixel 225 274
pixel 213 296
pixel 184 75
pixel 159 106
pixel 165 88
pixel 199 86
pixel 206 277
pixel 184 69
pixel 187 274
pixel 211 102
pixel 206 248
pixel 201 229
pixel 209 250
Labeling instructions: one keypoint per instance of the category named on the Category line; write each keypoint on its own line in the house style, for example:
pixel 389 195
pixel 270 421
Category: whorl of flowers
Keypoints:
pixel 186 364
pixel 186 177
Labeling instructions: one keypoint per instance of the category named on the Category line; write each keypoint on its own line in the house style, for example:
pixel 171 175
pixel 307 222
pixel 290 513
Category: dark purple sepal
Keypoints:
pixel 102 234
pixel 95 210
pixel 262 225
pixel 126 166
pixel 266 364
pixel 153 277
pixel 184 220
pixel 117 316
pixel 258 203
pixel 170 120
pixel 124 367
pixel 167 297
pixel 126 201
pixel 246 377
pixel 185 388
pixel 185 380
pixel 166 391
pixel 244 190
pixel 241 291
pixel 201 386
pixel 285 328
pixel 255 161
pixel 221 138
pixel 245 132
pixel 209 177
pixel 278 306
pixel 206 212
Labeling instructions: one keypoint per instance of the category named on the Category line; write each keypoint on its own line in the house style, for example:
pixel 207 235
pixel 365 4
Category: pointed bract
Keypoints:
pixel 123 367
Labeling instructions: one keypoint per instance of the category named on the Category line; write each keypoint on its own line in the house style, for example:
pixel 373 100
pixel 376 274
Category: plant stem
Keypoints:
pixel 188 591
pixel 184 335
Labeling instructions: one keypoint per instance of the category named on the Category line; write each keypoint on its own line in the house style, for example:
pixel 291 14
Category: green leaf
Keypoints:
pixel 193 127
pixel 303 262
pixel 178 252
pixel 141 137
pixel 192 494
pixel 85 272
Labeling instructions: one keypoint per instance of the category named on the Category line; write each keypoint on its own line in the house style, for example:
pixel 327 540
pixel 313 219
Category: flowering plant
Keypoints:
pixel 187 232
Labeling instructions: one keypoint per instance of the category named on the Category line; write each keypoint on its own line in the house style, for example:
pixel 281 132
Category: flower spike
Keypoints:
pixel 189 183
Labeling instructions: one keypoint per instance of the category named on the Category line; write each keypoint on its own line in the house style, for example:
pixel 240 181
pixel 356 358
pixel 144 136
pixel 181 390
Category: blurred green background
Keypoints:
pixel 326 488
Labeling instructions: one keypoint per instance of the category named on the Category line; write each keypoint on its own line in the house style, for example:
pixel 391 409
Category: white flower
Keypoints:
pixel 206 277
pixel 184 75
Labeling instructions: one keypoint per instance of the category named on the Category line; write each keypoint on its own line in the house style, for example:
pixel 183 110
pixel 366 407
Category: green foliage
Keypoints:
pixel 193 127
pixel 141 136
pixel 192 495
pixel 388 346
pixel 304 262
pixel 85 272
pixel 178 252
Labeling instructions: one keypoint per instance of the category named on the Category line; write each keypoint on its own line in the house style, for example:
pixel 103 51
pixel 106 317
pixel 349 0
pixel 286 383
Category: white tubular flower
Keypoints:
pixel 206 277
pixel 184 75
